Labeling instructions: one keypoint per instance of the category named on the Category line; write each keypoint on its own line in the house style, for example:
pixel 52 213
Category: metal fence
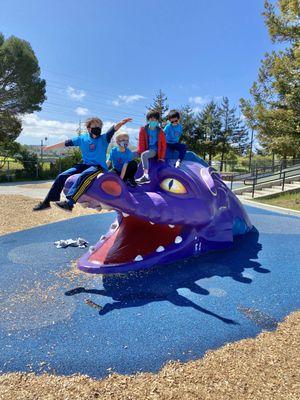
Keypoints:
pixel 13 170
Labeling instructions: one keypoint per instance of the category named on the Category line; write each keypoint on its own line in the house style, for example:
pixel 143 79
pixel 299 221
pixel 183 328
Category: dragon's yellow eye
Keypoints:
pixel 173 185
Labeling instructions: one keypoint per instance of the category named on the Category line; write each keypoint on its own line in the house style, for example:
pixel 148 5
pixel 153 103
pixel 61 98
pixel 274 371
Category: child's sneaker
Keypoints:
pixel 43 205
pixel 64 205
pixel 131 183
pixel 178 164
pixel 143 179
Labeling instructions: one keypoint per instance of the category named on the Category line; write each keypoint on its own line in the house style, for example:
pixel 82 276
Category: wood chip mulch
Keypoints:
pixel 17 214
pixel 264 368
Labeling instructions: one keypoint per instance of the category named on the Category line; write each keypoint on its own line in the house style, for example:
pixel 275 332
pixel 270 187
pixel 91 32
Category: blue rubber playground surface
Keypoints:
pixel 55 319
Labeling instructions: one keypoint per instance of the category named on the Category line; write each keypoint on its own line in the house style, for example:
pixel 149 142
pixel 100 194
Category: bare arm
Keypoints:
pixel 121 123
pixel 54 146
pixel 123 172
pixel 110 133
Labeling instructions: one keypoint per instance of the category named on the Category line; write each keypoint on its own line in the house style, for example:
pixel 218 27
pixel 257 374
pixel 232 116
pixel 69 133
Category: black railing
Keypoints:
pixel 282 176
pixel 264 172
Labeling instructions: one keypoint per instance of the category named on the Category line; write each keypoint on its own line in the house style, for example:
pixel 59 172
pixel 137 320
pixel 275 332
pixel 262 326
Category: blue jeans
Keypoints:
pixel 87 174
pixel 180 147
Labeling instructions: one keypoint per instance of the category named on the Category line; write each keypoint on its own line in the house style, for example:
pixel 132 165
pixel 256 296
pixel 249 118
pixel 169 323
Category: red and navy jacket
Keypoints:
pixel 143 144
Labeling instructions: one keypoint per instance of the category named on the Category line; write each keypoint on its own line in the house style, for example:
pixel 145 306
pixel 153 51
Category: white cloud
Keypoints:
pixel 36 128
pixel 82 111
pixel 198 100
pixel 124 99
pixel 196 109
pixel 202 100
pixel 75 94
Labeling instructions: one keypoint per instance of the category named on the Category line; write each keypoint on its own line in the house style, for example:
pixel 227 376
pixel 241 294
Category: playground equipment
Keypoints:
pixel 182 212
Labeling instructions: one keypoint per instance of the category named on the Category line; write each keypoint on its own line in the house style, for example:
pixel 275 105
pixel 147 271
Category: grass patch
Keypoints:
pixel 287 200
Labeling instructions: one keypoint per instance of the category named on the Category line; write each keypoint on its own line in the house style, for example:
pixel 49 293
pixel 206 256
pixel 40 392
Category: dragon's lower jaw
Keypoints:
pixel 133 244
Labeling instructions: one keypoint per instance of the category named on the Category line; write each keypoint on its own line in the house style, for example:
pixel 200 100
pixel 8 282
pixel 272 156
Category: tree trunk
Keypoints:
pixel 222 157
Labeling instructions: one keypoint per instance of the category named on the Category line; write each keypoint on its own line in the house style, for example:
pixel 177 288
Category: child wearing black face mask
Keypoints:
pixel 93 147
pixel 121 159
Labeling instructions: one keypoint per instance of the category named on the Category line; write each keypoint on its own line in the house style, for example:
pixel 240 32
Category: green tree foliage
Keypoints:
pixel 10 126
pixel 8 149
pixel 234 135
pixel 210 125
pixel 29 161
pixel 160 104
pixel 21 89
pixel 192 134
pixel 274 108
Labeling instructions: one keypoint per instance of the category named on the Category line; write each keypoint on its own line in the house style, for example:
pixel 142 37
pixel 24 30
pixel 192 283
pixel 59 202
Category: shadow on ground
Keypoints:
pixel 162 283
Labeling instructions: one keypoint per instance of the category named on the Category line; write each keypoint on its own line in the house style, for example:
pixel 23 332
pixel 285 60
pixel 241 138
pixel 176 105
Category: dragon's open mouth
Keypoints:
pixel 133 240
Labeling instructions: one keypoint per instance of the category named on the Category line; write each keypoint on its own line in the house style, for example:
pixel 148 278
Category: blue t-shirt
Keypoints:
pixel 173 133
pixel 119 158
pixel 93 150
pixel 152 138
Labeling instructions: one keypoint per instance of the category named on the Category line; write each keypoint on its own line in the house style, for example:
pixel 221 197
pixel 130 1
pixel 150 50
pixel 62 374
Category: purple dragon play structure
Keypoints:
pixel 183 212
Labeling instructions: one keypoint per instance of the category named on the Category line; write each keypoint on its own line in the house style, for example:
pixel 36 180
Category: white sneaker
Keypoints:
pixel 142 179
pixel 178 164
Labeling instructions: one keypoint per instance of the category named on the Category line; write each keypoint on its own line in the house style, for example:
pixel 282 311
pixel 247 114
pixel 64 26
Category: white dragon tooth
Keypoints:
pixel 178 239
pixel 152 223
pixel 98 208
pixel 138 258
pixel 125 215
pixel 84 204
pixel 105 207
pixel 114 225
pixel 171 226
pixel 91 249
pixel 102 237
pixel 160 249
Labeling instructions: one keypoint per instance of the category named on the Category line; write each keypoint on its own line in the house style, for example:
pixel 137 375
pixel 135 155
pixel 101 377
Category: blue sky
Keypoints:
pixel 109 57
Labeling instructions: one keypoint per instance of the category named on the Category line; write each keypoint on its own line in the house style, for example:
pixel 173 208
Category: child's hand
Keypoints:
pixel 121 123
pixel 125 120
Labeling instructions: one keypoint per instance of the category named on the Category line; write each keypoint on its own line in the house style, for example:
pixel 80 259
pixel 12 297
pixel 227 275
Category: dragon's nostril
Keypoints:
pixel 111 187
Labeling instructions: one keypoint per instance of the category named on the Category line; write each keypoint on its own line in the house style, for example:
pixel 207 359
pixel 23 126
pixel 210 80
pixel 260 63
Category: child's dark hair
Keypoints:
pixel 153 114
pixel 173 114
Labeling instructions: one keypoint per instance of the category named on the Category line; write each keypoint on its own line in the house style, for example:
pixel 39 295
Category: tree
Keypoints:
pixel 276 93
pixel 8 149
pixel 210 125
pixel 29 161
pixel 160 104
pixel 10 126
pixel 252 123
pixel 192 134
pixel 21 89
pixel 233 136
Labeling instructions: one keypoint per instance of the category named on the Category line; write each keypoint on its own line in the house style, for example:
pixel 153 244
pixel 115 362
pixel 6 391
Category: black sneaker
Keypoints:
pixel 64 205
pixel 131 184
pixel 142 180
pixel 43 205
